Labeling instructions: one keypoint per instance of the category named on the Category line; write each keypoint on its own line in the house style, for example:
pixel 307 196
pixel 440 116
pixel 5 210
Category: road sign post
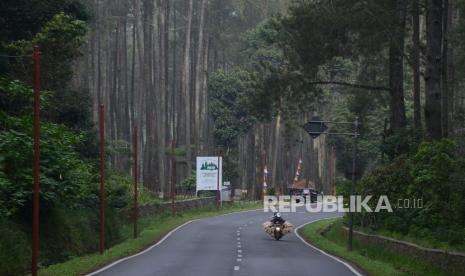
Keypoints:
pixel 35 216
pixel 315 127
pixel 352 190
pixel 218 153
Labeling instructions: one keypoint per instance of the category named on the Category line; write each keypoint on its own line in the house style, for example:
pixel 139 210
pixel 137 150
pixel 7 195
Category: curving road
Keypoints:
pixel 235 245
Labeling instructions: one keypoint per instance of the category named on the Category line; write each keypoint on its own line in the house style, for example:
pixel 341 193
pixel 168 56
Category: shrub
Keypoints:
pixel 14 249
pixel 435 174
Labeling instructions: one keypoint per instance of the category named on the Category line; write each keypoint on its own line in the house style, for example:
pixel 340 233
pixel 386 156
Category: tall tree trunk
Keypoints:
pixel 199 74
pixel 204 99
pixel 185 85
pixel 396 68
pixel 433 68
pixel 161 126
pixel 416 64
pixel 133 65
pixel 274 160
pixel 445 81
pixel 174 92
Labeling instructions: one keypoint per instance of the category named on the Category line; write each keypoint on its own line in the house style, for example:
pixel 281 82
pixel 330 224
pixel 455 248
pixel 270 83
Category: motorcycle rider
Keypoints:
pixel 277 219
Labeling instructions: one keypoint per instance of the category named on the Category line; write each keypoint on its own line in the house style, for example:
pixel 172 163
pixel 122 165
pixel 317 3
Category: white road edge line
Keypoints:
pixel 323 252
pixel 160 241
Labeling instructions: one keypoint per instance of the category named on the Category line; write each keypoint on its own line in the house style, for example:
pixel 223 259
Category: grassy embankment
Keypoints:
pixel 375 260
pixel 152 230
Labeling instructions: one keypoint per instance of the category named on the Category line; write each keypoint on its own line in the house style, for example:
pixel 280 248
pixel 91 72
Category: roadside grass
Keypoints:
pixel 375 260
pixel 424 242
pixel 152 230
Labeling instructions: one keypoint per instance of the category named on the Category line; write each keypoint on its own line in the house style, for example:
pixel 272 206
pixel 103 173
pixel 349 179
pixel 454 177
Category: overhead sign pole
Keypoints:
pixel 315 127
pixel 352 192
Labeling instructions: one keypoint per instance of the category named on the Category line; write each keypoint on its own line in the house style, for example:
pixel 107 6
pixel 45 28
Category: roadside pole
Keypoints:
pixel 35 219
pixel 315 127
pixel 173 179
pixel 218 152
pixel 102 177
pixel 136 193
pixel 352 192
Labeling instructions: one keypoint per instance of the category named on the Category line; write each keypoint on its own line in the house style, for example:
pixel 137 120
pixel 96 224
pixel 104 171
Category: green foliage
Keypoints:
pixel 73 109
pixel 14 248
pixel 370 108
pixel 16 98
pixel 63 175
pixel 68 182
pixel 435 174
pixel 231 166
pixel 406 141
pixel 188 184
pixel 59 41
pixel 154 228
pixel 229 94
pixel 374 259
pixel 119 189
pixel 227 105
pixel 22 19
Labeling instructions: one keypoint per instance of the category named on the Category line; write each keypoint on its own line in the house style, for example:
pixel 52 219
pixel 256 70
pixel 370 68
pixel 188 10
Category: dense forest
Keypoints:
pixel 241 76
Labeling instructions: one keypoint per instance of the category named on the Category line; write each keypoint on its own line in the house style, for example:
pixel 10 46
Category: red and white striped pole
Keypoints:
pixel 35 212
pixel 264 172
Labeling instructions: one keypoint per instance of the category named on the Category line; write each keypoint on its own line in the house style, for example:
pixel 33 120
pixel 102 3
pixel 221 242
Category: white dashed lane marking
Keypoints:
pixel 239 246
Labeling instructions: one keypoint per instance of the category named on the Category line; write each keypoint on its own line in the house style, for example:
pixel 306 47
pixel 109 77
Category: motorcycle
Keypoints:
pixel 278 231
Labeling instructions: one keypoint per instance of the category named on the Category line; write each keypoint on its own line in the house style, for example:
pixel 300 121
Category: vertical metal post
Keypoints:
pixel 102 177
pixel 35 215
pixel 136 193
pixel 352 193
pixel 173 179
pixel 218 180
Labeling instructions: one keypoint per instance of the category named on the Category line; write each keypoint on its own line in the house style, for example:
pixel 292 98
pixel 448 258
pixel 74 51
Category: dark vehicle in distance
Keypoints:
pixel 306 193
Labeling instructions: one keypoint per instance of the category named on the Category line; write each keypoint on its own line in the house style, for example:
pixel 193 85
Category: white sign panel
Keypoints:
pixel 207 173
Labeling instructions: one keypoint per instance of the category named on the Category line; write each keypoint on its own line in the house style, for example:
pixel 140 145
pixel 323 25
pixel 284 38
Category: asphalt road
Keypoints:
pixel 235 245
